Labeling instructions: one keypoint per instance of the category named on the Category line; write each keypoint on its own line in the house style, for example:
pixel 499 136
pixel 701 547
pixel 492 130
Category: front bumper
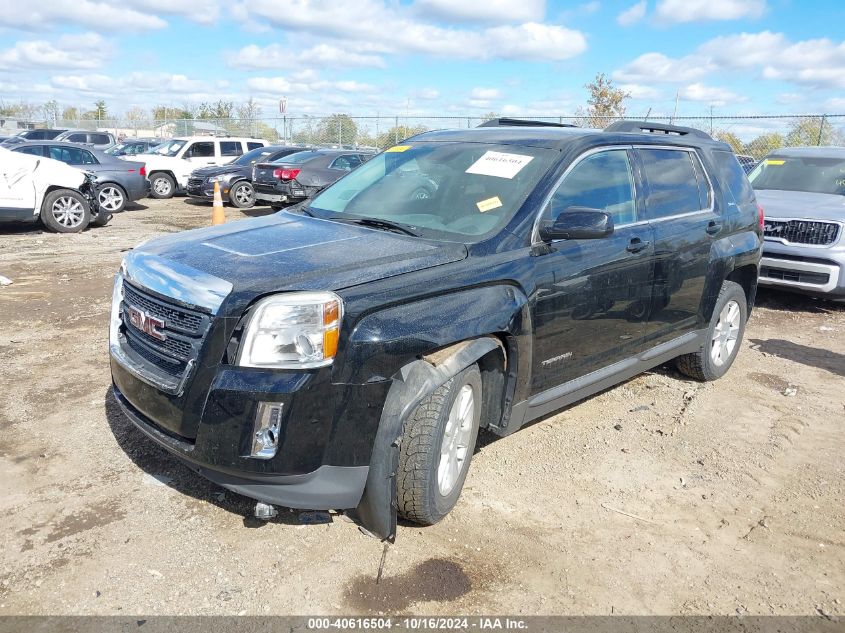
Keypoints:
pixel 205 190
pixel 325 488
pixel 811 271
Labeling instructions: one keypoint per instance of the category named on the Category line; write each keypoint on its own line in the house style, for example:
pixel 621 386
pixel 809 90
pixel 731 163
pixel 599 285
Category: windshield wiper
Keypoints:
pixel 386 225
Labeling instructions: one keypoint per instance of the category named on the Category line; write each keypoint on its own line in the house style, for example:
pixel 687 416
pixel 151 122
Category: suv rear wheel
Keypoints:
pixel 724 336
pixel 437 445
pixel 65 211
pixel 162 185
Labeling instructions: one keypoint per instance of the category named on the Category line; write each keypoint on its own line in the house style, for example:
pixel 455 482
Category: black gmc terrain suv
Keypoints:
pixel 344 353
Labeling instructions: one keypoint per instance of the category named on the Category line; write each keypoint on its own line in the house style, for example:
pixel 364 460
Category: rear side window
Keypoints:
pixel 346 163
pixel 732 175
pixel 36 150
pixel 230 148
pixel 252 146
pixel 71 155
pixel 673 185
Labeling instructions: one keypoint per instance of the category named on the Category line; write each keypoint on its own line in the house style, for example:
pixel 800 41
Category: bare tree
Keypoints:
pixel 605 102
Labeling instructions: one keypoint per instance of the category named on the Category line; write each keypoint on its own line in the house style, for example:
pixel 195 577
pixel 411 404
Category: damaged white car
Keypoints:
pixel 34 188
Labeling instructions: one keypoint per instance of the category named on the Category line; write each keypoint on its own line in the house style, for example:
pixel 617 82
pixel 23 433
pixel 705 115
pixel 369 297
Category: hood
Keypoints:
pixel 285 252
pixel 803 205
pixel 217 170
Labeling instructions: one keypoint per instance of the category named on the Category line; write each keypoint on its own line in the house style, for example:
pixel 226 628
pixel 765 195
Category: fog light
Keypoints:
pixel 265 436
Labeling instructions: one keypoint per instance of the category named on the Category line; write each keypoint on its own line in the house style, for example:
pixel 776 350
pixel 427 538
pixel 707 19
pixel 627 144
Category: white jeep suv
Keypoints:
pixel 170 164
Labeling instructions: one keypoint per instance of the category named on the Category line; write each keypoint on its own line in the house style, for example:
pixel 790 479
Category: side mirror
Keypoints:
pixel 577 223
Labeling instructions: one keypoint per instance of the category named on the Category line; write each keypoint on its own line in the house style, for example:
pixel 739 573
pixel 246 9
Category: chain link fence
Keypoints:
pixel 748 134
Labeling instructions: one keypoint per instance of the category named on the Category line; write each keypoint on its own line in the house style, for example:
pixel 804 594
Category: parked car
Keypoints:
pixel 170 164
pixel 133 146
pixel 344 353
pixel 117 181
pixel 235 178
pixel 301 175
pixel 31 189
pixel 97 140
pixel 748 163
pixel 39 134
pixel 803 192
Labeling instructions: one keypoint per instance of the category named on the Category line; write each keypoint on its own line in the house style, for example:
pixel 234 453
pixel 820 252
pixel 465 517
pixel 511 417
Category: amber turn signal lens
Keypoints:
pixel 330 338
pixel 331 312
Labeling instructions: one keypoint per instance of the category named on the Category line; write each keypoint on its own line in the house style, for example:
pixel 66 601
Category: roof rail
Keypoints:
pixel 509 122
pixel 648 127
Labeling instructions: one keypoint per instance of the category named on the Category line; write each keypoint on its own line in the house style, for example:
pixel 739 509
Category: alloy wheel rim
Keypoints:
pixel 454 449
pixel 110 198
pixel 726 334
pixel 68 211
pixel 243 195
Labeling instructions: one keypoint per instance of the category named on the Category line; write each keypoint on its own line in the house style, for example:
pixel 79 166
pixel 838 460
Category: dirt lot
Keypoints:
pixel 661 496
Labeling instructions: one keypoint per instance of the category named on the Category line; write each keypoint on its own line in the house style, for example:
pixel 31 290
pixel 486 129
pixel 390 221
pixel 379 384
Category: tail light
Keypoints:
pixel 285 173
pixel 143 170
pixel 761 217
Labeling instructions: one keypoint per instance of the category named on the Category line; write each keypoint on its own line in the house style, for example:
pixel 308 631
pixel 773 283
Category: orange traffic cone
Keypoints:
pixel 218 215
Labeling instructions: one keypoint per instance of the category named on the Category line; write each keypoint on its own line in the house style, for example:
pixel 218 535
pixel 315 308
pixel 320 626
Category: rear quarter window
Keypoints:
pixel 732 176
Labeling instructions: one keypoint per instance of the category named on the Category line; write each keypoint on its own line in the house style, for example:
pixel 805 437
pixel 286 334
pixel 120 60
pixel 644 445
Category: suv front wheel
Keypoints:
pixel 162 185
pixel 437 446
pixel 724 336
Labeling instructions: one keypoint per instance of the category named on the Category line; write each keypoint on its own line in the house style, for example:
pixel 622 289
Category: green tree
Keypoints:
pixel 812 130
pixel 604 103
pixel 220 110
pixel 764 144
pixel 162 113
pixel 337 129
pixel 731 139
pixel 70 113
pixel 396 135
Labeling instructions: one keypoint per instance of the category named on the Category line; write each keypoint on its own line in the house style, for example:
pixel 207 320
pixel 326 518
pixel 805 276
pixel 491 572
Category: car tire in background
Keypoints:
pixel 65 211
pixel 162 185
pixel 437 445
pixel 111 197
pixel 242 195
pixel 724 336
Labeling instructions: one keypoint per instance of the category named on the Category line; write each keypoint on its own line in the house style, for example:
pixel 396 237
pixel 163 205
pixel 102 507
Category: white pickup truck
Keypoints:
pixel 171 163
pixel 35 188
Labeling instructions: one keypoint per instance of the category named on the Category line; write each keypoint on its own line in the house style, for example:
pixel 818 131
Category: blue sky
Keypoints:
pixel 428 57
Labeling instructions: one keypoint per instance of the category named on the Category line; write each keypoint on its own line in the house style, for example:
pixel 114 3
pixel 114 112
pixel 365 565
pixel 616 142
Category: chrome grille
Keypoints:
pixel 184 330
pixel 802 231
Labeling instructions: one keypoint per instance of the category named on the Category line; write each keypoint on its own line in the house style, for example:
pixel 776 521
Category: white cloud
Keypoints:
pixel 657 67
pixel 632 14
pixel 641 91
pixel 92 14
pixel 816 63
pixel 85 51
pixel 486 93
pixel 481 11
pixel 144 82
pixel 312 85
pixel 710 94
pixel 427 94
pixel 275 56
pixel 674 11
pixel 365 22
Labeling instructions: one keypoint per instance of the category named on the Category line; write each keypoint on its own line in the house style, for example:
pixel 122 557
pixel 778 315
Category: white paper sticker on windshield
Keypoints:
pixel 499 164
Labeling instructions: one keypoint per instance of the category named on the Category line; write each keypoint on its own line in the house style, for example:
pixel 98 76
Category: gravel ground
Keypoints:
pixel 660 496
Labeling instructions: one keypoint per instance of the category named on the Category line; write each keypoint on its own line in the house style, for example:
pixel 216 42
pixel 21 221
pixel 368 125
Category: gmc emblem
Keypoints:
pixel 146 323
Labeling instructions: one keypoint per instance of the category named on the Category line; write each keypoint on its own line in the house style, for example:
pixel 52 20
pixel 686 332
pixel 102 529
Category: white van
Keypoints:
pixel 35 188
pixel 170 164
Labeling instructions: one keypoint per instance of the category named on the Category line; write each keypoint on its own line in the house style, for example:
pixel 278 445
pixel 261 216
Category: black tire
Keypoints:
pixel 242 195
pixel 101 219
pixel 706 364
pixel 65 211
pixel 111 197
pixel 162 185
pixel 419 495
pixel 277 207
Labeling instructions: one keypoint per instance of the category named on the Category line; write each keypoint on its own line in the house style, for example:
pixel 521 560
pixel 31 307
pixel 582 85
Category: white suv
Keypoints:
pixel 170 164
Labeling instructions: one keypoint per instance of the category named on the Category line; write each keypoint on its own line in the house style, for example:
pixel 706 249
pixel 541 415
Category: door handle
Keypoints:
pixel 636 245
pixel 713 227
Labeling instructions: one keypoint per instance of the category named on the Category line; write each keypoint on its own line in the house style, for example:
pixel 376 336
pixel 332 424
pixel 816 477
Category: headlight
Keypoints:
pixel 219 178
pixel 299 330
pixel 116 299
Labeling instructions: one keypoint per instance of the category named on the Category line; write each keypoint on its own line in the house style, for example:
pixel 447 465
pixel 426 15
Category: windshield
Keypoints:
pixel 168 148
pixel 457 191
pixel 800 173
pixel 255 156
